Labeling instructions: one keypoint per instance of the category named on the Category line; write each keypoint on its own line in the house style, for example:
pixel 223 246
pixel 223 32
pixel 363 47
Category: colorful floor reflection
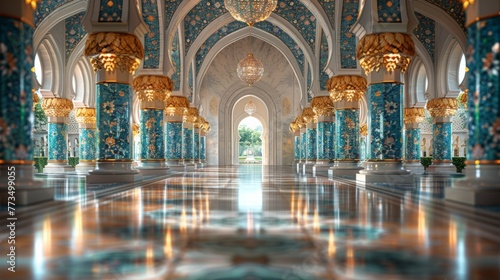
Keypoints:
pixel 254 222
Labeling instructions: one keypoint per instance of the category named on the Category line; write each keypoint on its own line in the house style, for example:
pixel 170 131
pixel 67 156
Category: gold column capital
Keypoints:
pixel 322 106
pixel 294 127
pixel 308 115
pixel 414 115
pixel 191 115
pixel 346 87
pixel 442 107
pixel 85 115
pixel 152 87
pixel 136 130
pixel 462 98
pixel 57 107
pixel 176 105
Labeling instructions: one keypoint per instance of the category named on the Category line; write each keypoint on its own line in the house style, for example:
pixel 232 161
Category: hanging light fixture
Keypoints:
pixel 250 108
pixel 250 70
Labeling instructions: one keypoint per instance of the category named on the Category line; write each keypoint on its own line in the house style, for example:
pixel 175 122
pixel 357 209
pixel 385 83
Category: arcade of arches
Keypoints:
pixel 379 124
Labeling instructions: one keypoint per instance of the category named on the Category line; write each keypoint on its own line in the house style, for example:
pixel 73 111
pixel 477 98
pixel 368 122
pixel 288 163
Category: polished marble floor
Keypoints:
pixel 253 222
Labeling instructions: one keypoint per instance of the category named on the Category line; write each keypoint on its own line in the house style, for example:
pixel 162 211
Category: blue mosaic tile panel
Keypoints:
pixel 441 141
pixel 323 59
pixel 311 146
pixel 483 60
pixel 300 17
pixel 425 32
pixel 389 10
pixel 187 144
pixel 350 12
pixel 110 11
pixel 412 141
pixel 296 149
pixel 385 129
pixel 113 121
pixel 325 141
pixel 170 8
pixel 58 141
pixel 88 141
pixel 151 39
pixel 199 17
pixel 173 140
pixel 303 145
pixel 151 127
pixel 176 62
pixel 45 7
pixel 453 8
pixel 309 79
pixel 190 83
pixel 329 8
pixel 347 134
pixel 196 145
pixel 203 149
pixel 74 32
pixel 16 60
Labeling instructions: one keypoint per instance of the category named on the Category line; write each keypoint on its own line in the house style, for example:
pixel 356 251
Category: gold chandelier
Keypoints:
pixel 250 11
pixel 250 69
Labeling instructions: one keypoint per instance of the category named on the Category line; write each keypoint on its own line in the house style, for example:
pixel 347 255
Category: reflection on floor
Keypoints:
pixel 254 222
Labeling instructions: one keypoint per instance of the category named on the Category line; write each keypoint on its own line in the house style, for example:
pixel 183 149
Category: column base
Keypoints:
pixel 344 169
pixel 200 165
pixel 189 165
pixel 62 167
pixel 441 168
pixel 85 167
pixel 113 172
pixel 479 188
pixel 391 173
pixel 414 167
pixel 307 167
pixel 298 167
pixel 321 168
pixel 150 168
pixel 27 189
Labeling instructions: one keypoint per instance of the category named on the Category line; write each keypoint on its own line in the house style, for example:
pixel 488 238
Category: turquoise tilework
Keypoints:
pixel 311 134
pixel 173 140
pixel 412 141
pixel 347 134
pixel 329 8
pixel 441 141
pixel 453 8
pixel 389 10
pixel 151 127
pixel 203 145
pixel 110 11
pixel 176 61
pixel 325 141
pixel 296 149
pixel 300 17
pixel 350 12
pixel 303 145
pixel 196 145
pixel 74 32
pixel 323 59
pixel 425 32
pixel 187 144
pixel 45 7
pixel 58 141
pixel 170 8
pixel 88 141
pixel 152 50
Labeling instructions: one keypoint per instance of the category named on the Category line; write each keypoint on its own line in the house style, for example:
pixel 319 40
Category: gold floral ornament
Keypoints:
pixel 294 127
pixel 85 115
pixel 363 130
pixel 391 50
pixel 308 115
pixel 462 98
pixel 346 87
pixel 299 120
pixel 442 107
pixel 136 129
pixel 199 122
pixel 109 50
pixel 176 105
pixel 322 105
pixel 191 115
pixel 35 98
pixel 206 127
pixel 57 107
pixel 152 88
pixel 467 3
pixel 414 115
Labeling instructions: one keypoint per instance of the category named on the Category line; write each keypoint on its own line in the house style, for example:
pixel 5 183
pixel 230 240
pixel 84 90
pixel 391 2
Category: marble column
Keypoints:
pixel 323 108
pixel 16 115
pixel 196 144
pixel 481 186
pixel 57 111
pixel 442 109
pixel 188 138
pixel 176 107
pixel 346 91
pixel 412 119
pixel 310 120
pixel 152 91
pixel 86 119
pixel 203 148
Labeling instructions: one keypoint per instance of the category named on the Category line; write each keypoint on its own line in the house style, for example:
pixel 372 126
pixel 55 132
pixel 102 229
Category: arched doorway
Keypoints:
pixel 250 135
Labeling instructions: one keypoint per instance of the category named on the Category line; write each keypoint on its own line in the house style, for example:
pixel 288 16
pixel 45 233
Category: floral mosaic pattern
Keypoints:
pixel 325 141
pixel 311 146
pixel 483 60
pixel 152 134
pixel 309 79
pixel 389 10
pixel 200 17
pixel 113 121
pixel 385 129
pixel 58 143
pixel 453 8
pixel 16 60
pixel 110 11
pixel 296 150
pixel 329 8
pixel 190 83
pixel 350 10
pixel 170 8
pixel 425 32
pixel 412 141
pixel 300 17
pixel 347 134
pixel 74 32
pixel 173 141
pixel 187 143
pixel 303 145
pixel 203 150
pixel 44 8
pixel 176 61
pixel 196 145
pixel 323 59
pixel 151 39
pixel 442 141
pixel 88 140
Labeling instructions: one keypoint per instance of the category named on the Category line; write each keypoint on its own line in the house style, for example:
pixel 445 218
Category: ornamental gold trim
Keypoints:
pixel 391 50
pixel 110 50
pixel 206 127
pixel 200 122
pixel 442 107
pixel 309 116
pixel 462 98
pixel 136 130
pixel 152 87
pixel 294 127
pixel 414 115
pixel 363 130
pixel 299 120
pixel 57 107
pixel 191 115
pixel 85 115
pixel 176 105
pixel 346 87
pixel 322 105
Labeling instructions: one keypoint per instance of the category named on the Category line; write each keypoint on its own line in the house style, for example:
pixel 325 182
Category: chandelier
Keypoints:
pixel 250 11
pixel 250 70
pixel 250 108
